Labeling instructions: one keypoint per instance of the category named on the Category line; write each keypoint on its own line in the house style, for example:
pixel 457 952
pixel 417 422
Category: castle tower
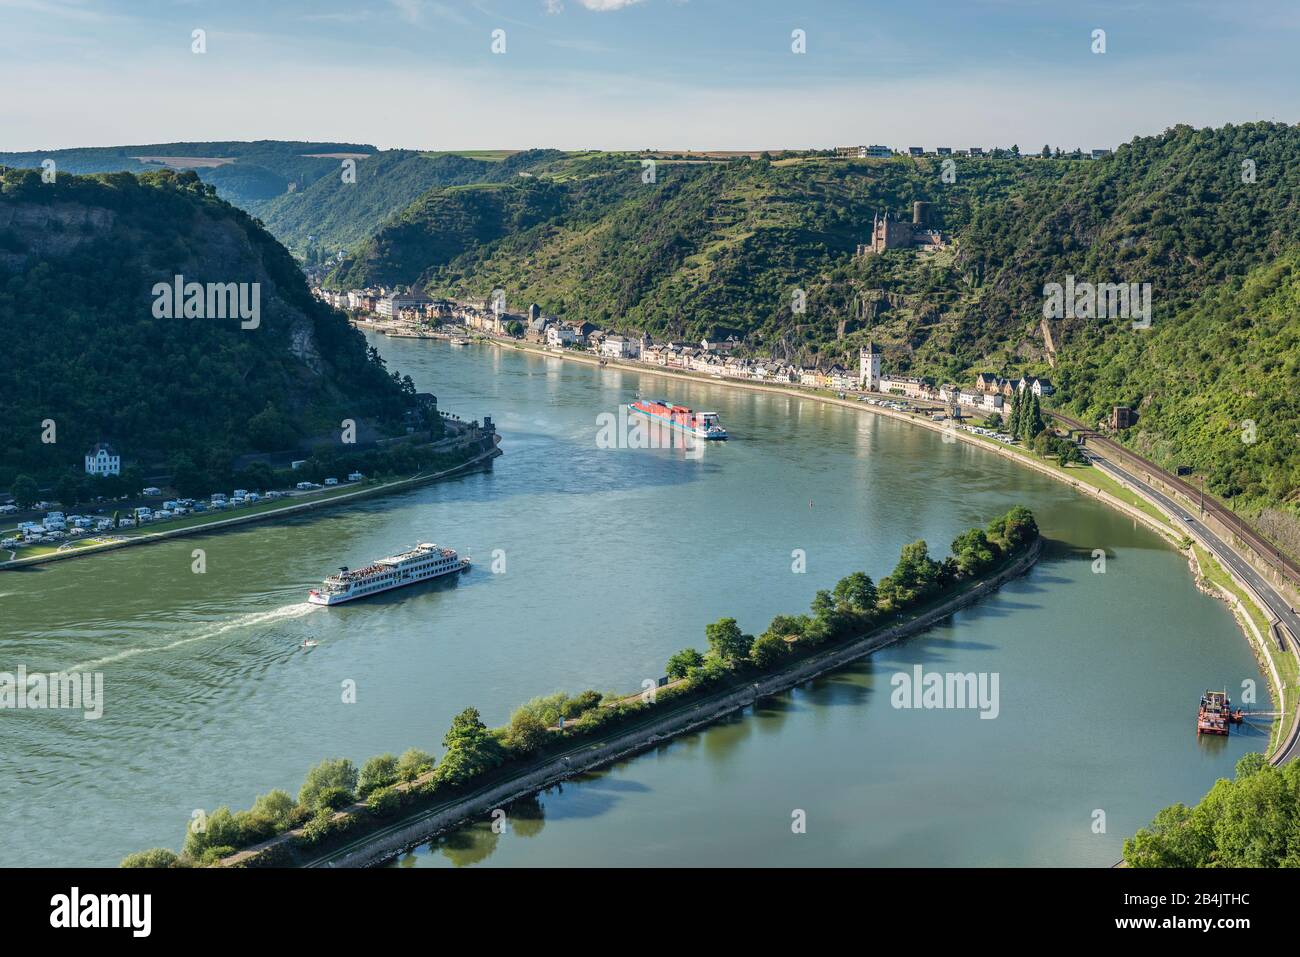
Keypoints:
pixel 869 367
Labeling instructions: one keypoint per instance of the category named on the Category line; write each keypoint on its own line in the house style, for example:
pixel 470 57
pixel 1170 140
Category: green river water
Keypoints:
pixel 614 559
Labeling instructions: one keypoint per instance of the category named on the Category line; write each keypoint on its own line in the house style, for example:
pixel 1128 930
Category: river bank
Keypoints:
pixel 675 719
pixel 215 698
pixel 1105 489
pixel 329 499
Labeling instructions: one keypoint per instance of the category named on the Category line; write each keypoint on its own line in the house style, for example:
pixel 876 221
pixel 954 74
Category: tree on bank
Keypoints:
pixel 768 650
pixel 326 779
pixel 726 641
pixel 680 664
pixel 471 749
pixel 25 492
pixel 1251 821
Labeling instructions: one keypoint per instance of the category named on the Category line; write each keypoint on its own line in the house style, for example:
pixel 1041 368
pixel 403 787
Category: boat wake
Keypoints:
pixel 239 622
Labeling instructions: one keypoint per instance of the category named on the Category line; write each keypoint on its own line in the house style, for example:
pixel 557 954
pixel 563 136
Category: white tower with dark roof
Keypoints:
pixel 869 367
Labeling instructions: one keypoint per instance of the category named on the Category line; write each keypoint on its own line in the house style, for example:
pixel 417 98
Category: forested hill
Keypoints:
pixel 1209 219
pixel 334 212
pixel 79 260
pixel 244 173
pixel 1206 217
pixel 707 247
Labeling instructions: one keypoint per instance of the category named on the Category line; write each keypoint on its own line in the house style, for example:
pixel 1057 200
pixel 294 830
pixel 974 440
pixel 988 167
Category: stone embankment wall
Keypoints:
pixel 683 720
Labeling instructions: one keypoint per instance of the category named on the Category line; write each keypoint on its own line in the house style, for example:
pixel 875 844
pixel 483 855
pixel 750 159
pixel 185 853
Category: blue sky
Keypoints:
pixel 635 74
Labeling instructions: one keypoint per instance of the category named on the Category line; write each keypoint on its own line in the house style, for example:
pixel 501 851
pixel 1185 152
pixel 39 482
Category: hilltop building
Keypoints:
pixel 887 233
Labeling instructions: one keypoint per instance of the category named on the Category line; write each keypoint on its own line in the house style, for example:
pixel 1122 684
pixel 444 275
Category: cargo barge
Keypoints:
pixel 702 425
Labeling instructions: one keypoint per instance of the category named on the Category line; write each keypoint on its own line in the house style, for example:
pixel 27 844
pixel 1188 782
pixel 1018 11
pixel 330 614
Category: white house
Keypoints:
pixel 909 386
pixel 992 400
pixel 841 378
pixel 103 460
pixel 619 347
pixel 558 335
pixel 390 307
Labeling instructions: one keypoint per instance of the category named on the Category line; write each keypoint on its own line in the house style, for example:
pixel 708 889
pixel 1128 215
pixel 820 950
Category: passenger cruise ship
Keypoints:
pixel 421 563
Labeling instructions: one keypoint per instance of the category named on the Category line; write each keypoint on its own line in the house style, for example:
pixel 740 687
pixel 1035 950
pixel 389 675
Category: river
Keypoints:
pixel 593 565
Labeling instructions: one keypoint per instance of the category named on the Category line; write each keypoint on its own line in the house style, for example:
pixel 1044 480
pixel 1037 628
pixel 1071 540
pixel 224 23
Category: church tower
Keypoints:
pixel 869 367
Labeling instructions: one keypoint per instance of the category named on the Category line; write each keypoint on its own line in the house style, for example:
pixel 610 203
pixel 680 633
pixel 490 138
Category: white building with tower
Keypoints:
pixel 869 368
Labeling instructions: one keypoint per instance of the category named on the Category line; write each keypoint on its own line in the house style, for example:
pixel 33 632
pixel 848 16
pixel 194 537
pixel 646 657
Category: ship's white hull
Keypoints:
pixel 338 598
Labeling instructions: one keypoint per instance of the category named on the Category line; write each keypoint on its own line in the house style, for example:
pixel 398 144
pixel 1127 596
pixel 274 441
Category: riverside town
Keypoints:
pixel 450 449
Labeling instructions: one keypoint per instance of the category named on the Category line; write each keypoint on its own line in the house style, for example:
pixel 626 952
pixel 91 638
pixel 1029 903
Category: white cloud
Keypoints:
pixel 602 6
pixel 554 6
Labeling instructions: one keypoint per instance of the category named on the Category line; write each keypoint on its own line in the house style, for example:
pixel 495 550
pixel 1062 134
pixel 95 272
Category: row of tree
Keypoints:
pixel 471 749
pixel 856 603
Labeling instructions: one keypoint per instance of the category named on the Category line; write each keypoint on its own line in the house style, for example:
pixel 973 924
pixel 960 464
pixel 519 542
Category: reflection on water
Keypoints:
pixel 615 559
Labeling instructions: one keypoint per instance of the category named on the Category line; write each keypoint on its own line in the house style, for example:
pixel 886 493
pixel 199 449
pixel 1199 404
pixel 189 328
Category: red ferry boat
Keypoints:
pixel 1216 715
pixel 703 425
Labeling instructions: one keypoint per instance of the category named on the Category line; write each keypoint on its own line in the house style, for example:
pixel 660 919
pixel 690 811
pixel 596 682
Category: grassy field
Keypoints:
pixel 489 156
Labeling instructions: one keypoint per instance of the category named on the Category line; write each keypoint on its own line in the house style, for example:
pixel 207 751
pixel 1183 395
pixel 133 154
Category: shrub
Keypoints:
pixel 384 802
pixel 526 733
pixel 330 774
pixel 818 632
pixel 768 650
pixel 154 857
pixel 254 827
pixel 334 799
pixel 319 827
pixel 218 829
pixel 709 673
pixel 680 664
pixel 277 806
pixel 378 772
pixel 413 763
pixel 213 855
pixel 547 709
pixel 578 704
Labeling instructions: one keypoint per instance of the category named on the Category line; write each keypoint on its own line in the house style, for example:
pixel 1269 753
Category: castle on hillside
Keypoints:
pixel 887 233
